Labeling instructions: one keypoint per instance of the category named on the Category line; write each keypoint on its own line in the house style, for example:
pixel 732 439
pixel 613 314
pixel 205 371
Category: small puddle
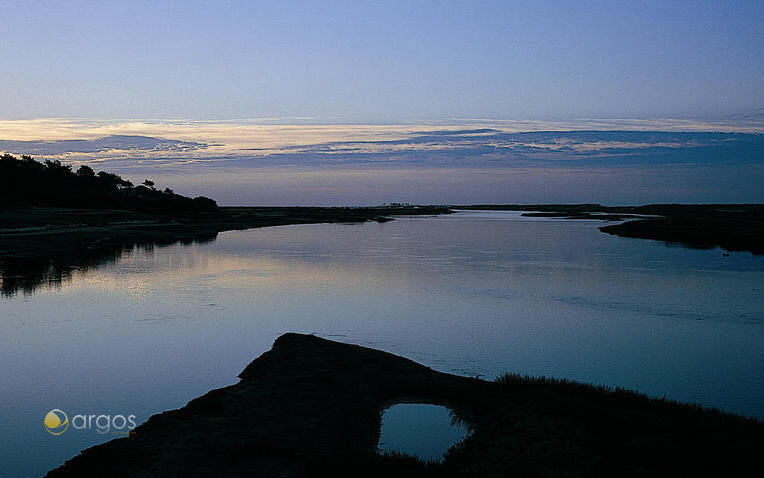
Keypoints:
pixel 419 429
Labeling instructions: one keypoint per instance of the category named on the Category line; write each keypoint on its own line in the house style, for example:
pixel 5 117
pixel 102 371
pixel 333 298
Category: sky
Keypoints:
pixel 381 62
pixel 360 103
pixel 614 162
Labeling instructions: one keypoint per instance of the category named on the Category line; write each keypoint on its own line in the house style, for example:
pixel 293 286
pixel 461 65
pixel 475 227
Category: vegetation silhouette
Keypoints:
pixel 312 407
pixel 54 220
pixel 25 182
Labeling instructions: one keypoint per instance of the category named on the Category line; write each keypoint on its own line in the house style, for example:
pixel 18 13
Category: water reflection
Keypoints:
pixel 54 267
pixel 472 293
pixel 419 429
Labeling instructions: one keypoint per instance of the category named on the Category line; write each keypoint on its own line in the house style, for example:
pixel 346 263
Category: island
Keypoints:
pixel 311 407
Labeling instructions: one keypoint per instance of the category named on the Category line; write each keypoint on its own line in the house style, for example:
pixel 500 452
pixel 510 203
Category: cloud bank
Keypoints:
pixel 125 144
pixel 256 162
pixel 112 143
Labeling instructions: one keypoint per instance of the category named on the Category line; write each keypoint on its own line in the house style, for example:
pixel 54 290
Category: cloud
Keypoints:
pixel 108 143
pixel 474 143
pixel 494 148
pixel 470 161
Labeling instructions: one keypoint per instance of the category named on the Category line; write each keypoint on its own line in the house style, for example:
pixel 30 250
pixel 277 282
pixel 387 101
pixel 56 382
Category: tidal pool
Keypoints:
pixel 419 429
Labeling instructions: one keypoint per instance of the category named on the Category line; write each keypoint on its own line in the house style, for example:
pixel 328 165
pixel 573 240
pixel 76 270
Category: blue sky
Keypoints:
pixel 381 61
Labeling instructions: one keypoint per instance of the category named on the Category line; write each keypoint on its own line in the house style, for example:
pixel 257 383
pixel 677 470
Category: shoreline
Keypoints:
pixel 101 228
pixel 520 423
pixel 732 227
pixel 312 407
pixel 44 245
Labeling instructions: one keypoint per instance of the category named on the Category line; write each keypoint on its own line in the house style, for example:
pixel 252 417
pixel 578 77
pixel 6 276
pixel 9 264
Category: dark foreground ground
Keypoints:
pixel 311 407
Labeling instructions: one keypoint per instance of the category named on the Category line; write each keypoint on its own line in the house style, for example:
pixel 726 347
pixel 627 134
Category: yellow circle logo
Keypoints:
pixel 56 422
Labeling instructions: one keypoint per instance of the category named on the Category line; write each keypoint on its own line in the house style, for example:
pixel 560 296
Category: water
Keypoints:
pixel 476 293
pixel 419 429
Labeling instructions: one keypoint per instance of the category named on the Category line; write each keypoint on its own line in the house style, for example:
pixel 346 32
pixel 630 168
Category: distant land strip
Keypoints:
pixel 733 227
pixel 83 209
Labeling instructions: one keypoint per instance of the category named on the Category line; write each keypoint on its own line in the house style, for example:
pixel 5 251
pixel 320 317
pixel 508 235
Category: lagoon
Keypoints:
pixel 473 293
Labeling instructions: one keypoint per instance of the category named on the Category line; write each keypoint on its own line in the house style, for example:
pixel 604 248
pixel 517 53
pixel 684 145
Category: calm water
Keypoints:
pixel 419 429
pixel 475 293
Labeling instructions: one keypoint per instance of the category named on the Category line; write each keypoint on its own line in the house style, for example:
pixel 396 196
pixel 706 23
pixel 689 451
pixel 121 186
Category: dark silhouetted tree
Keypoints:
pixel 25 182
pixel 86 172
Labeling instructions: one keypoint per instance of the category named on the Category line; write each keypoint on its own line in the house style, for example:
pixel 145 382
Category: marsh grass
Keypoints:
pixel 312 409
pixel 540 426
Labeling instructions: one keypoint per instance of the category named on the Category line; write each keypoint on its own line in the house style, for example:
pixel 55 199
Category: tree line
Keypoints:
pixel 25 182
